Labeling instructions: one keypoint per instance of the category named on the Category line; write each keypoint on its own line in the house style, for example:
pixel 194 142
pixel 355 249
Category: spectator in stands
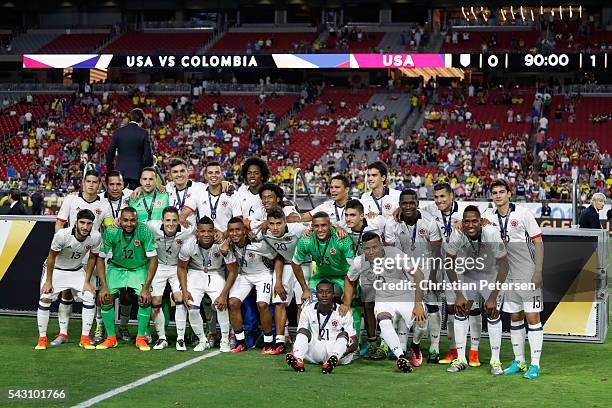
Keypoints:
pixel 132 146
pixel 14 200
pixel 589 218
pixel 37 202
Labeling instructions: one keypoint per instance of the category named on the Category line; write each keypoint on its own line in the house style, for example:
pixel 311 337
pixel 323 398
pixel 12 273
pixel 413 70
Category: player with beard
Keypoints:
pixel 339 189
pixel 150 204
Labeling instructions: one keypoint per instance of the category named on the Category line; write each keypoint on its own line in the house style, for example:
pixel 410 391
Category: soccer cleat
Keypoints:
pixel 433 358
pixel 266 350
pixel 474 360
pixel 212 340
pixel 42 343
pixel 403 364
pixel 142 344
pixel 376 352
pixel 329 365
pixel 110 342
pixel 365 349
pixel 160 344
pixel 99 334
pixel 533 372
pixel 457 365
pixel 86 343
pixel 239 348
pixel 496 367
pixel 202 346
pixel 180 345
pixel 416 357
pixel 60 339
pixel 515 368
pixel 450 357
pixel 224 347
pixel 124 334
pixel 278 349
pixel 148 337
pixel 295 363
pixel 232 340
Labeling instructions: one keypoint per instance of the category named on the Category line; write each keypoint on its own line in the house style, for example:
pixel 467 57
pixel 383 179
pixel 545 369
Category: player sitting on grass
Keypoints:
pixel 132 265
pixel 63 270
pixel 323 336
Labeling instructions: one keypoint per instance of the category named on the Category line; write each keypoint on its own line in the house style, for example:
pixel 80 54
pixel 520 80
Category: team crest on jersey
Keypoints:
pixel 514 223
pixel 98 211
pixel 224 203
pixel 158 203
pixel 87 247
pixel 422 231
pixel 334 324
pixel 136 242
pixel 125 201
pixel 216 254
pixel 288 239
pixel 179 242
pixel 332 251
pixel 251 255
pixel 387 206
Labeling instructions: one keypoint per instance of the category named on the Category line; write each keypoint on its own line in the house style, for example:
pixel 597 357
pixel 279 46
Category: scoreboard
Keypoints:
pixel 515 62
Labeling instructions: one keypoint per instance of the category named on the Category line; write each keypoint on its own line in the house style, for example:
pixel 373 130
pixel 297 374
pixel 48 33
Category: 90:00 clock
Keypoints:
pixel 551 60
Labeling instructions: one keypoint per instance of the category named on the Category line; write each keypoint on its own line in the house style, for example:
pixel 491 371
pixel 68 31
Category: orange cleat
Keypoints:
pixel 42 343
pixel 141 343
pixel 110 342
pixel 86 343
pixel 474 360
pixel 450 357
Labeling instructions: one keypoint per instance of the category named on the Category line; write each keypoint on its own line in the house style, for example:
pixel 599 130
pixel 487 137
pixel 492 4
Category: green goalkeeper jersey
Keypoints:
pixel 331 256
pixel 150 206
pixel 129 251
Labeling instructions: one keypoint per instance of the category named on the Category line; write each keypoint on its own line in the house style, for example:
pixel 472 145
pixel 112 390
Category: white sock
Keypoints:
pixel 450 332
pixel 300 345
pixel 402 333
pixel 286 330
pixel 180 318
pixel 42 317
pixel 535 335
pixel 461 327
pixel 475 331
pixel 434 324
pixel 158 319
pixel 339 347
pixel 224 323
pixel 124 314
pixel 197 324
pixel 517 336
pixel 280 339
pixel 494 328
pixel 387 332
pixel 87 316
pixel 419 332
pixel 63 315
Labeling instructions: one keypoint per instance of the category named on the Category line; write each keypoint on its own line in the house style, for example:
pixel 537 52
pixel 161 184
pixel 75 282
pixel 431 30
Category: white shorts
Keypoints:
pixel 528 301
pixel 200 283
pixel 398 310
pixel 244 283
pixel 66 280
pixel 165 273
pixel 368 293
pixel 291 285
pixel 319 351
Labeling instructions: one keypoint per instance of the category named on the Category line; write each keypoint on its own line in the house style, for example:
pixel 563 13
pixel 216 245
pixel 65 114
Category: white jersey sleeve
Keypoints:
pixel 64 211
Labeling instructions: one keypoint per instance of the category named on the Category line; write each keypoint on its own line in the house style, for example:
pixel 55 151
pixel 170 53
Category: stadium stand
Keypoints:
pixel 263 42
pixel 164 42
pixel 74 44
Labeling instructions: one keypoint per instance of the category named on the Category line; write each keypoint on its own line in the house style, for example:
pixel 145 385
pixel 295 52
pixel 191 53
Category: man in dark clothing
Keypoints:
pixel 14 200
pixel 132 146
pixel 589 218
pixel 37 202
pixel 546 210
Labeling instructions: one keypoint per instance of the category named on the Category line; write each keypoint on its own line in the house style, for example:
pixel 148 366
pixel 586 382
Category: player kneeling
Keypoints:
pixel 485 247
pixel 63 270
pixel 201 270
pixel 132 265
pixel 397 297
pixel 323 335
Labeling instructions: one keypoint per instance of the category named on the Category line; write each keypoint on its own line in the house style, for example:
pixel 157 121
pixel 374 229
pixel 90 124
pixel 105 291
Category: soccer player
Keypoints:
pixel 63 270
pixel 394 298
pixel 380 200
pixel 132 265
pixel 150 204
pixel 181 189
pixel 253 273
pixel 489 263
pixel 445 214
pixel 281 239
pixel 332 256
pixel 72 204
pixel 272 196
pixel 523 237
pixel 339 189
pixel 323 335
pixel 357 225
pixel 169 237
pixel 412 234
pixel 201 270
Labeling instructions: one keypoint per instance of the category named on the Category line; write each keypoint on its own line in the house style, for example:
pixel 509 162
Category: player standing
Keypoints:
pixel 381 199
pixel 523 237
pixel 63 270
pixel 150 204
pixel 339 189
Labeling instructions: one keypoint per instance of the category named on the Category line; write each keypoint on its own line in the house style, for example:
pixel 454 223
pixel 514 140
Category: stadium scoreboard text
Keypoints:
pixel 491 61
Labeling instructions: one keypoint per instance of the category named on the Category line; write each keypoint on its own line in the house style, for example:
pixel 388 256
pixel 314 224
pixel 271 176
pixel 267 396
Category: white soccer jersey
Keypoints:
pixel 74 203
pixel 522 228
pixel 488 249
pixel 376 224
pixel 336 214
pixel 71 250
pixel 250 258
pixel 210 260
pixel 168 248
pixel 285 245
pixel 444 222
pixel 178 198
pixel 117 205
pixel 384 206
pixel 362 269
pixel 247 204
pixel 216 207
pixel 414 240
pixel 326 327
